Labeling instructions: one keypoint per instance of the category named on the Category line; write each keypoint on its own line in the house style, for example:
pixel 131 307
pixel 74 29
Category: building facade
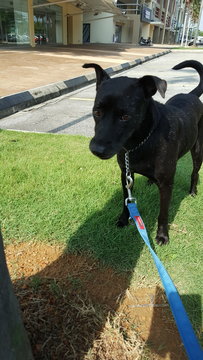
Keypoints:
pixel 154 19
pixel 38 22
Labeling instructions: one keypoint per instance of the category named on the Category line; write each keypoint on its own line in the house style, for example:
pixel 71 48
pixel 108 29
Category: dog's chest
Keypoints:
pixel 141 163
pixel 145 168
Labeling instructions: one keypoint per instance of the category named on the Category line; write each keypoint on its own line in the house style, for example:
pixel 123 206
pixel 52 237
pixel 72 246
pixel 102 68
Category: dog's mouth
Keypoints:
pixel 103 156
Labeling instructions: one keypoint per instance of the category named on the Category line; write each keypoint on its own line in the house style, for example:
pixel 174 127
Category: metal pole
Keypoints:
pixel 187 32
pixel 184 26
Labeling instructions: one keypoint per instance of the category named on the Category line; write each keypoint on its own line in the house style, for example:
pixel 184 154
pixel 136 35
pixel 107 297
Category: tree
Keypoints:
pixel 195 9
pixel 14 343
pixel 198 19
pixel 192 11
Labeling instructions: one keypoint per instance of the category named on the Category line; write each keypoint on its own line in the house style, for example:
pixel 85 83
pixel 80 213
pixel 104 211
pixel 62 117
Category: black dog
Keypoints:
pixel 155 135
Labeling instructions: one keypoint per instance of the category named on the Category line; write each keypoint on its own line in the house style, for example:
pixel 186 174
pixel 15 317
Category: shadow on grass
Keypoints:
pixel 121 248
pixel 95 282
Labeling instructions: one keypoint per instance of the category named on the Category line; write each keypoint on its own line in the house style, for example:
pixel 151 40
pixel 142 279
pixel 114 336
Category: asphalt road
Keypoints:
pixel 71 114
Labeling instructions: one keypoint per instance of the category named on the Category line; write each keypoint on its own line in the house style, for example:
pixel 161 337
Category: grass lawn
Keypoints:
pixel 188 48
pixel 54 190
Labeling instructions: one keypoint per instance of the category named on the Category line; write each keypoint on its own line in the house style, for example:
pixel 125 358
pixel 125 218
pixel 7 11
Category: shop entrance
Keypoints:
pixel 48 25
pixel 118 31
pixel 86 33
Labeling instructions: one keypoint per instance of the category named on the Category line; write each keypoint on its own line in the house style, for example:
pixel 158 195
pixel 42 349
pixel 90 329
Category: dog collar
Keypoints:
pixel 140 144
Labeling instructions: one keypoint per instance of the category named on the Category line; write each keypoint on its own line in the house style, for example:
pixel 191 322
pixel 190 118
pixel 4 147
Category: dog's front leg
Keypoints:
pixel 165 191
pixel 123 218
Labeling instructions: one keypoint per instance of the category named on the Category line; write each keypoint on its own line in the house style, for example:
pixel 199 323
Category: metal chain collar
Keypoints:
pixel 127 164
pixel 129 179
pixel 142 143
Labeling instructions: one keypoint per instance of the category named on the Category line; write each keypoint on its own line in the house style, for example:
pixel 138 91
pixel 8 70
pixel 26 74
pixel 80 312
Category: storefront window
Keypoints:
pixel 48 24
pixel 14 22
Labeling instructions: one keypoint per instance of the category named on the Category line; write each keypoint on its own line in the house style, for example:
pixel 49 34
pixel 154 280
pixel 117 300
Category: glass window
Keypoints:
pixel 14 21
pixel 48 24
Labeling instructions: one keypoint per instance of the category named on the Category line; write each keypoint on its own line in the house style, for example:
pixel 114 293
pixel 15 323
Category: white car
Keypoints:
pixel 199 41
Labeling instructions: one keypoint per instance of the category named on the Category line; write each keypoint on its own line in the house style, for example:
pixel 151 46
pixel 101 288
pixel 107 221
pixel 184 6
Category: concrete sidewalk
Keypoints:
pixel 31 76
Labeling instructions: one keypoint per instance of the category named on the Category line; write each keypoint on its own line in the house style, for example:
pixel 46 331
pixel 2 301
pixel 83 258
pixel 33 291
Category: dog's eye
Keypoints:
pixel 125 117
pixel 97 113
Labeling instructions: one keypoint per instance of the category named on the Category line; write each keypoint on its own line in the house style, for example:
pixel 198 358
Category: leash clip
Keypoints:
pixel 130 199
pixel 129 181
pixel 129 185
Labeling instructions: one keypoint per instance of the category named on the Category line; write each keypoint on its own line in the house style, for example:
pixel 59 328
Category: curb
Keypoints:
pixel 13 103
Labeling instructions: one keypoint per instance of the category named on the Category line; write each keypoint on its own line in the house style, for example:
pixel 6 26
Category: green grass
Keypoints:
pixel 187 48
pixel 53 189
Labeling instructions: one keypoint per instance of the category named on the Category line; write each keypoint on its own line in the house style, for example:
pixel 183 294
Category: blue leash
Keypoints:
pixel 184 326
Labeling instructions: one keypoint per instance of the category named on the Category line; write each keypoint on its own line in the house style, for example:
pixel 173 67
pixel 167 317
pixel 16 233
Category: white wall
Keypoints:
pixel 101 27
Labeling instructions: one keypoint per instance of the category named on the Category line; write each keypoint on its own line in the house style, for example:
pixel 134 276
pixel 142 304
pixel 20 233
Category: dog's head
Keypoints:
pixel 119 109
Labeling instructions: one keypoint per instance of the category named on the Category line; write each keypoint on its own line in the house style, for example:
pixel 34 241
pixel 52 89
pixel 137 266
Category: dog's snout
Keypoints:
pixel 99 150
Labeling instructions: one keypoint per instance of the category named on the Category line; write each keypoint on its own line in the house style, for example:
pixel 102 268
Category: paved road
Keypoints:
pixel 71 114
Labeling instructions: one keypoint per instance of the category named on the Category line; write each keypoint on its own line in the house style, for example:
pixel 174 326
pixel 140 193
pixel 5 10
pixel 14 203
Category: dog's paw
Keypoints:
pixel 162 239
pixel 193 192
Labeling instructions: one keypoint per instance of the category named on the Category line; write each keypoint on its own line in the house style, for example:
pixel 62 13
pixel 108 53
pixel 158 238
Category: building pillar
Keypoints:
pixel 65 26
pixel 31 23
pixel 77 28
pixel 156 35
pixel 136 29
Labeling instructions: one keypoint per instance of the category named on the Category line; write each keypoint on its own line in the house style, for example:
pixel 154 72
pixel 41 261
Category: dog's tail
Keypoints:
pixel 199 68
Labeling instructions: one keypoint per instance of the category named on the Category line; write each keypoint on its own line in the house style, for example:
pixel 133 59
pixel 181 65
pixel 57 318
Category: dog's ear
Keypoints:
pixel 151 84
pixel 101 75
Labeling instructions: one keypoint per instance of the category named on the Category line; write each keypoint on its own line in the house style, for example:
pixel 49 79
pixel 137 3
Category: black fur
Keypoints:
pixel 126 116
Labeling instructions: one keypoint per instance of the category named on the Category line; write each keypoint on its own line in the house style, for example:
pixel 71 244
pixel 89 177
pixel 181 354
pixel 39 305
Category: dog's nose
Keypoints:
pixel 97 150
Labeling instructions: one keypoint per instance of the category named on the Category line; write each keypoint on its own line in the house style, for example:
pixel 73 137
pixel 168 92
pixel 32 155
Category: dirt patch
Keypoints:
pixel 74 308
pixel 61 63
